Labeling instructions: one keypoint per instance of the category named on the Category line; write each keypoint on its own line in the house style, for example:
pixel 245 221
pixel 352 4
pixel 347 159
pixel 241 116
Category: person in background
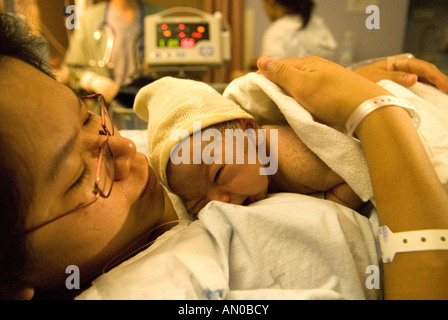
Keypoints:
pixel 95 63
pixel 296 32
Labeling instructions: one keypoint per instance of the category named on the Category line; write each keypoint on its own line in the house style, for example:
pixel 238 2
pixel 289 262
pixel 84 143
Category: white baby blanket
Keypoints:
pixel 269 104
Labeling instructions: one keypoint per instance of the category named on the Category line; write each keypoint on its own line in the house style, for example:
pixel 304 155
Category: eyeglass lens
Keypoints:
pixel 105 170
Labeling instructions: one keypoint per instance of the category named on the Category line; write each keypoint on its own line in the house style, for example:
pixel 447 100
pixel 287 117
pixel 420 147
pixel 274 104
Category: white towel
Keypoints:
pixel 269 104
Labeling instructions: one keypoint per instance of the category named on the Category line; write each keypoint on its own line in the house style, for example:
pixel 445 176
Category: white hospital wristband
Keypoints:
pixel 371 105
pixel 410 241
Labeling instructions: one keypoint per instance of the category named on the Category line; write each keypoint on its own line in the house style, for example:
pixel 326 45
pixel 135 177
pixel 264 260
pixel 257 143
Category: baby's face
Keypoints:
pixel 198 184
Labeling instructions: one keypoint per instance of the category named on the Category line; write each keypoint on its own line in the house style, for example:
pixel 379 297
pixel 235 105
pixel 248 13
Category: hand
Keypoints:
pixel 344 195
pixel 406 72
pixel 107 87
pixel 329 91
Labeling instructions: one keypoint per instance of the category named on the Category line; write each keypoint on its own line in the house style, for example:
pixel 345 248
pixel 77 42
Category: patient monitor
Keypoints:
pixel 185 42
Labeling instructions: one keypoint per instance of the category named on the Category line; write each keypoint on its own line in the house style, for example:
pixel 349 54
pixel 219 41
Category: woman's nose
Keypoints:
pixel 123 151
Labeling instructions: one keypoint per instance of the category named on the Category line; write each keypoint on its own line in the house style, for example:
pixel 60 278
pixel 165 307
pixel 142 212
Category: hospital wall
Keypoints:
pixel 419 34
pixel 342 15
pixel 427 31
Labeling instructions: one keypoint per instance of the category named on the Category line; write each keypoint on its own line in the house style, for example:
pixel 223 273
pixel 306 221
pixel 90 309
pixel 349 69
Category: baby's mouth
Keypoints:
pixel 252 199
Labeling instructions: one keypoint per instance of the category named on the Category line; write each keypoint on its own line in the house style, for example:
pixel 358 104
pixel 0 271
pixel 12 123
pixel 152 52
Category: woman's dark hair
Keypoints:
pixel 15 181
pixel 17 41
pixel 15 195
pixel 304 8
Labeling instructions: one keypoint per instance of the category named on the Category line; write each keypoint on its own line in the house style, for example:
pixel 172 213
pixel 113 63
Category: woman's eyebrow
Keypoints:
pixel 65 151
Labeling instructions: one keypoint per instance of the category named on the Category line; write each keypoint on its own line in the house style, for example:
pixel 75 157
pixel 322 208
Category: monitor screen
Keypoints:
pixel 181 35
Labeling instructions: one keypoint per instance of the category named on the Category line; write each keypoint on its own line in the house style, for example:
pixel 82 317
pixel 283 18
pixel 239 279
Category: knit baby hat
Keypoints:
pixel 169 104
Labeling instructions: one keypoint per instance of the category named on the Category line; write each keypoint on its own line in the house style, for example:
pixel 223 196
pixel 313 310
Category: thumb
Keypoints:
pixel 264 63
pixel 279 72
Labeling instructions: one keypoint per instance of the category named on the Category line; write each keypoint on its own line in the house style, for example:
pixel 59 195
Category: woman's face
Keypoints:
pixel 47 122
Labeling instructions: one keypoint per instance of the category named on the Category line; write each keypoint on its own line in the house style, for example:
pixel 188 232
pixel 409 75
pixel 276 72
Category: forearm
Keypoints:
pixel 409 196
pixel 398 162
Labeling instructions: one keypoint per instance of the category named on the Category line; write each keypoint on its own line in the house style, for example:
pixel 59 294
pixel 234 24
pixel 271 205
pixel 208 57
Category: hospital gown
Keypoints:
pixel 285 38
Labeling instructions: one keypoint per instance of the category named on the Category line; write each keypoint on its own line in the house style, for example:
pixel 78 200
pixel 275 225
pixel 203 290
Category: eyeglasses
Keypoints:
pixel 104 174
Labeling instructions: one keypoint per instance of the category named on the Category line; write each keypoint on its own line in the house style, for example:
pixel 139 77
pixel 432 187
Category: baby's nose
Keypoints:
pixel 227 197
pixel 220 196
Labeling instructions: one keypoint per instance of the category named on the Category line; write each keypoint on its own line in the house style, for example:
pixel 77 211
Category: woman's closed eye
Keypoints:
pixel 82 178
pixel 92 121
pixel 89 120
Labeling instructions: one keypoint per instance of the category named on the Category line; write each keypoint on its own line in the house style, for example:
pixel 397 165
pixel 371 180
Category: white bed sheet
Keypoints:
pixel 288 246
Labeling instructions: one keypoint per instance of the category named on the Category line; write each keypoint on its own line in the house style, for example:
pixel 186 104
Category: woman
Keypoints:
pixel 295 31
pixel 70 153
pixel 50 147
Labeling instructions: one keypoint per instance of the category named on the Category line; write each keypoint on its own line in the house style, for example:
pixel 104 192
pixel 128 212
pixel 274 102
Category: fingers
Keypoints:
pixel 378 71
pixel 271 67
pixel 290 74
pixel 403 78
pixel 405 71
pixel 443 84
pixel 426 72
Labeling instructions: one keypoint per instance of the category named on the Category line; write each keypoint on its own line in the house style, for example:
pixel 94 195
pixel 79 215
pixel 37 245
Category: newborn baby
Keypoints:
pixel 204 147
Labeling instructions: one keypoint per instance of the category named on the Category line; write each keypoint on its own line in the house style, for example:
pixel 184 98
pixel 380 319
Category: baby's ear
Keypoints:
pixel 258 135
pixel 247 124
